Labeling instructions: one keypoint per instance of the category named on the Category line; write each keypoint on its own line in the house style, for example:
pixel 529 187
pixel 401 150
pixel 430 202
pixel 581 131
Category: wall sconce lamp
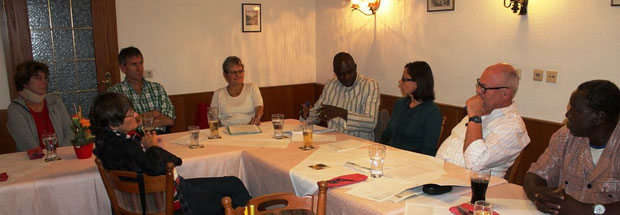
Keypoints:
pixel 514 5
pixel 366 5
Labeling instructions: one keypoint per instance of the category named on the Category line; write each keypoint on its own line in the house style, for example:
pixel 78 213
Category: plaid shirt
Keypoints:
pixel 153 97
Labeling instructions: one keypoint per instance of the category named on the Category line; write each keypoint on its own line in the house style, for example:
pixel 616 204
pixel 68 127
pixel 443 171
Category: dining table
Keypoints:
pixel 264 164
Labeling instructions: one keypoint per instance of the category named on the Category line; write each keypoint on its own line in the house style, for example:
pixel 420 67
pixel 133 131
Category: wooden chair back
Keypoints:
pixel 289 201
pixel 443 124
pixel 382 123
pixel 123 190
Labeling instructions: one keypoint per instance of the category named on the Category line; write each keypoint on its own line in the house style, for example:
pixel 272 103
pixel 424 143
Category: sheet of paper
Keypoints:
pixel 513 206
pixel 347 145
pixel 434 205
pixel 243 129
pixel 411 192
pixel 315 137
pixel 379 189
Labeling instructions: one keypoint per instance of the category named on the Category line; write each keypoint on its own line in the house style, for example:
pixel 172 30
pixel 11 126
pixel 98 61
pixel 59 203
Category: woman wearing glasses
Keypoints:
pixel 119 148
pixel 239 103
pixel 416 120
pixel 35 112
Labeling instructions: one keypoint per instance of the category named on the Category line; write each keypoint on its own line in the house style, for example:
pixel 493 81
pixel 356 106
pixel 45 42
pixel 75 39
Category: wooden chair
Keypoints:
pixel 287 201
pixel 443 124
pixel 124 193
pixel 382 123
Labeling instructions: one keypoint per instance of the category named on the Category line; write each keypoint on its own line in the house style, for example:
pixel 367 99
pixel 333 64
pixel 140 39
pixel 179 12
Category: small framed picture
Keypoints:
pixel 615 2
pixel 440 5
pixel 251 18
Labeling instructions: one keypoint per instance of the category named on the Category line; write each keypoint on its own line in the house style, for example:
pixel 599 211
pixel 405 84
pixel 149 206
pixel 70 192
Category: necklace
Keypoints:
pixel 234 91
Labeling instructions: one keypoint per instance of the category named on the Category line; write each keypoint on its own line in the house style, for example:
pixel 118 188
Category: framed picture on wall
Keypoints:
pixel 440 5
pixel 615 2
pixel 251 18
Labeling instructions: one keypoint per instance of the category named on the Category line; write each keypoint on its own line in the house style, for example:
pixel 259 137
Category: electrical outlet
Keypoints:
pixel 148 73
pixel 552 76
pixel 518 72
pixel 538 74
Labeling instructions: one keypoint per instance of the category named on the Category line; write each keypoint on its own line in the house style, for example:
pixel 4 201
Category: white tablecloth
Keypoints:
pixel 73 186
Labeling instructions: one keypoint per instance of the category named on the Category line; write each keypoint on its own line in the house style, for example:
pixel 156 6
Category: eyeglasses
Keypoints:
pixel 407 79
pixel 484 89
pixel 236 72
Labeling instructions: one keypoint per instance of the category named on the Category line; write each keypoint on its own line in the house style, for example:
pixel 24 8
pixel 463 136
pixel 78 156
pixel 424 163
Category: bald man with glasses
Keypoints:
pixel 492 134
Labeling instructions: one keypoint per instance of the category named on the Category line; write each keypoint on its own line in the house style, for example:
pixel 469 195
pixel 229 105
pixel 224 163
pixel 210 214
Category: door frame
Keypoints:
pixel 15 31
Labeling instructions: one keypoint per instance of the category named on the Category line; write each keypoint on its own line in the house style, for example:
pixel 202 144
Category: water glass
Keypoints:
pixel 51 143
pixel 482 207
pixel 278 123
pixel 307 130
pixel 376 154
pixel 214 122
pixel 147 123
pixel 479 184
pixel 194 135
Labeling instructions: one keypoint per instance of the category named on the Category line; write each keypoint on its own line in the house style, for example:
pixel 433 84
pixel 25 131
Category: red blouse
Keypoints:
pixel 43 122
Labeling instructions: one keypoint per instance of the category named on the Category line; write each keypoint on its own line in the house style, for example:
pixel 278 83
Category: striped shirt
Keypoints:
pixel 503 137
pixel 152 97
pixel 361 100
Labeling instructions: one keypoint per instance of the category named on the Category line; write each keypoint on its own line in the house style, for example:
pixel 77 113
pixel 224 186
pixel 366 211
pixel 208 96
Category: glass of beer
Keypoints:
pixel 214 122
pixel 482 207
pixel 307 132
pixel 278 123
pixel 479 184
pixel 147 123
pixel 376 155
pixel 194 136
pixel 51 143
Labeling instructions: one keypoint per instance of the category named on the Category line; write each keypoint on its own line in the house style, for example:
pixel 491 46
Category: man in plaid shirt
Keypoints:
pixel 147 97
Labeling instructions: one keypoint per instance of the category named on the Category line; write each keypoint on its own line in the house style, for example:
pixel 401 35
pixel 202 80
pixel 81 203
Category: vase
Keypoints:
pixel 85 151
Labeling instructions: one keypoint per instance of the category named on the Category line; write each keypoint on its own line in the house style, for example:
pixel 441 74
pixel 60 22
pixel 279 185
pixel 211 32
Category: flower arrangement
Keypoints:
pixel 81 129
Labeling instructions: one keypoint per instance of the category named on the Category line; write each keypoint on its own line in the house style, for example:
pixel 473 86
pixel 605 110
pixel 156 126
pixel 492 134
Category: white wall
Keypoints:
pixel 580 39
pixel 185 42
pixel 5 95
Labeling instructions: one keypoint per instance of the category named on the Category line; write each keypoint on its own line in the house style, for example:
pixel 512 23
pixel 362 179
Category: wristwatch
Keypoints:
pixel 475 119
pixel 598 209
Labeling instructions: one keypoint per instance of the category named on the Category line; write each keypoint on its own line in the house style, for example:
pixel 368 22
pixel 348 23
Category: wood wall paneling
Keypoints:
pixel 7 144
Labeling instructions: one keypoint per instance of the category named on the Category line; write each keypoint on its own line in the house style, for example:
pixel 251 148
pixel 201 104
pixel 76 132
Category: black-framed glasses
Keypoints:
pixel 484 89
pixel 407 79
pixel 235 72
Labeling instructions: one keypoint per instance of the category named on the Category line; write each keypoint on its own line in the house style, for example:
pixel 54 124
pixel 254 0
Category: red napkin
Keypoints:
pixel 4 176
pixel 346 180
pixel 466 206
pixel 35 153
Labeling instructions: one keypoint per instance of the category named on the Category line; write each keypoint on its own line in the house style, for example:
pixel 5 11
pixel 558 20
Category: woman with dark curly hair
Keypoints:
pixel 35 112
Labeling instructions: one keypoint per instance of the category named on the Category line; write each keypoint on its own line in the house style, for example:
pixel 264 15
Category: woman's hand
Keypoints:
pixel 150 139
pixel 255 120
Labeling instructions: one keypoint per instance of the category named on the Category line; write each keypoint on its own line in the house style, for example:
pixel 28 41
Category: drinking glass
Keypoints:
pixel 307 128
pixel 376 154
pixel 278 123
pixel 214 122
pixel 147 123
pixel 194 135
pixel 479 184
pixel 482 207
pixel 51 143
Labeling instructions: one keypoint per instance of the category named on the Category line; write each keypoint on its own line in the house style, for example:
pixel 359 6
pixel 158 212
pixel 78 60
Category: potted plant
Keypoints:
pixel 83 140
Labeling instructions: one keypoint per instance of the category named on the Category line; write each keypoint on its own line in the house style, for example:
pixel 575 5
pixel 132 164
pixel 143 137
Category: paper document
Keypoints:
pixel 346 145
pixel 379 189
pixel 243 129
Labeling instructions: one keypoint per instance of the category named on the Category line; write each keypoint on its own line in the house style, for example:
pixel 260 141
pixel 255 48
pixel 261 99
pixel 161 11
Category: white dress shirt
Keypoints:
pixel 361 100
pixel 503 137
